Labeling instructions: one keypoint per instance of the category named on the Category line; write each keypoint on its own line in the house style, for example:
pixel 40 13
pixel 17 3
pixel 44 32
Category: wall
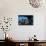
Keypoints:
pixel 13 8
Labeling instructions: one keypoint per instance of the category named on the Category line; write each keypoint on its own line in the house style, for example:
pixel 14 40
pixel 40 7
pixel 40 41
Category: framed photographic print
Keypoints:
pixel 25 19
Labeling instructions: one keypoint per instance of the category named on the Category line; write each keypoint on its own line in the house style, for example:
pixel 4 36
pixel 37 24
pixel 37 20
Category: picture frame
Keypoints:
pixel 25 19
